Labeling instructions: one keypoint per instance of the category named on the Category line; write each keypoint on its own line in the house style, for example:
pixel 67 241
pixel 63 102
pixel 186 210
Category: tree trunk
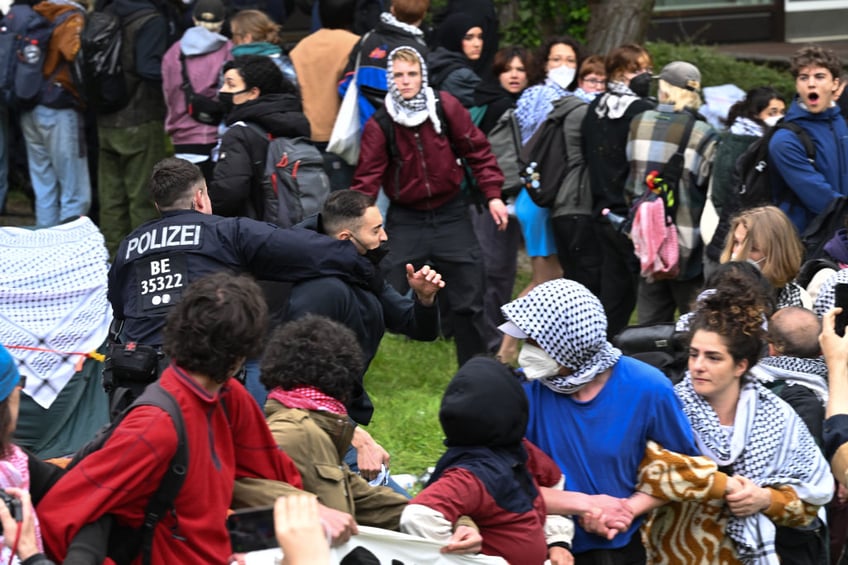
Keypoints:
pixel 614 22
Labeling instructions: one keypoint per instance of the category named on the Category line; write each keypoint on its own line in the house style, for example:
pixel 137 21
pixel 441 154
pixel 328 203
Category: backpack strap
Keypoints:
pixel 387 126
pixel 783 190
pixel 674 167
pixel 672 177
pixel 186 87
pixel 162 500
pixel 803 136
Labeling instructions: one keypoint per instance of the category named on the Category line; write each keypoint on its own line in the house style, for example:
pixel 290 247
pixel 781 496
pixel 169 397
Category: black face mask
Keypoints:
pixel 378 253
pixel 226 99
pixel 641 85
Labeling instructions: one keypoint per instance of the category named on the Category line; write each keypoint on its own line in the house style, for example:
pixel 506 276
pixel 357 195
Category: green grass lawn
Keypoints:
pixel 405 381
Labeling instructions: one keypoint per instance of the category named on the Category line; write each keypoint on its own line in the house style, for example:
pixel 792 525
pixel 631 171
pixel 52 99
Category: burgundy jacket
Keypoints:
pixel 427 176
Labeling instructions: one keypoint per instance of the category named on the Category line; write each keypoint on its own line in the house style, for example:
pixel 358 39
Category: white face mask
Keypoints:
pixel 771 121
pixel 536 363
pixel 562 75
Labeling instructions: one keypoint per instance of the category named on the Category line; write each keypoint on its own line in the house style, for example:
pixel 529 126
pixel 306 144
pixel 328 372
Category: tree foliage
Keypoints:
pixel 527 22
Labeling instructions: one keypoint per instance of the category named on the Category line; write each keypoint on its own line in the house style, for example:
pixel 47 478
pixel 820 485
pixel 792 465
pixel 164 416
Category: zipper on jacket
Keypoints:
pixel 420 146
pixel 840 147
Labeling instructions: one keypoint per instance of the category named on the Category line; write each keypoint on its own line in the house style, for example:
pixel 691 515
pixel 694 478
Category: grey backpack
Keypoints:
pixel 505 138
pixel 295 185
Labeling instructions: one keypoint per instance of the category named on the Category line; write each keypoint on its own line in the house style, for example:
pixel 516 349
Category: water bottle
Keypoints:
pixel 618 221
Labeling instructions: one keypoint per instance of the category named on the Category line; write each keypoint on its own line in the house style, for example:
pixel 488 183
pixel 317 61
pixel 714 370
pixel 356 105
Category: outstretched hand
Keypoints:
pixel 425 282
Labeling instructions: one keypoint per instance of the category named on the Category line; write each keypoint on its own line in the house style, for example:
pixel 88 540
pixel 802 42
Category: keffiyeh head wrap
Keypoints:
pixel 569 324
pixel 416 110
pixel 754 450
pixel 615 101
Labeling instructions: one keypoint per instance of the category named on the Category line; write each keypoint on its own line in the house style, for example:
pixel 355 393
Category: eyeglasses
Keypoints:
pixel 595 81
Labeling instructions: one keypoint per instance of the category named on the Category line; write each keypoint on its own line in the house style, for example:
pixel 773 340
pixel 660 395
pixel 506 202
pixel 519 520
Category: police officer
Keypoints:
pixel 158 260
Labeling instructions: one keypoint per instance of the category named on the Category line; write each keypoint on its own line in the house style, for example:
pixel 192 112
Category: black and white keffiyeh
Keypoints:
pixel 416 110
pixel 809 373
pixel 615 101
pixel 790 295
pixel 746 126
pixel 53 284
pixel 389 19
pixel 770 445
pixel 569 324
pixel 826 297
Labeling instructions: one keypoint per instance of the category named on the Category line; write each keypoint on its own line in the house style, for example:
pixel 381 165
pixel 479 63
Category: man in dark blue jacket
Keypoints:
pixel 353 216
pixel 811 186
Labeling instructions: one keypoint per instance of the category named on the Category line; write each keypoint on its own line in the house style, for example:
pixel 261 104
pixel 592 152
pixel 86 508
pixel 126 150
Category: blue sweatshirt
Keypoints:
pixel 814 186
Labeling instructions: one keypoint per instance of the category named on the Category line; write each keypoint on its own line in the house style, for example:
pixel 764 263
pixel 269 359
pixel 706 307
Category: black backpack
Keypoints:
pixel 469 185
pixel 823 227
pixel 751 184
pixel 202 108
pixel 126 543
pixel 545 156
pixel 103 59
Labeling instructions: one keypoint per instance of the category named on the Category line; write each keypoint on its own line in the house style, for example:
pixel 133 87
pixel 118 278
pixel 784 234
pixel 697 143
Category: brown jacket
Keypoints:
pixel 316 441
pixel 64 43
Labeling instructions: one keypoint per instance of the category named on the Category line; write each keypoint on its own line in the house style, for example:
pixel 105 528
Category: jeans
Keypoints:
pixel 58 166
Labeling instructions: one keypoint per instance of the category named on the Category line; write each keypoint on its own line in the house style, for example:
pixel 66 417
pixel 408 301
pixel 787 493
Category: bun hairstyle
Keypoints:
pixel 735 310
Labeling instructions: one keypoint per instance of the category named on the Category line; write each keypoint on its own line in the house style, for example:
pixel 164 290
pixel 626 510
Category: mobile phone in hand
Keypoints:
pixel 841 299
pixel 252 529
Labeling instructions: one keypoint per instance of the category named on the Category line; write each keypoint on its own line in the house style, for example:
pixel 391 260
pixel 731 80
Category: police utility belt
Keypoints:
pixel 131 363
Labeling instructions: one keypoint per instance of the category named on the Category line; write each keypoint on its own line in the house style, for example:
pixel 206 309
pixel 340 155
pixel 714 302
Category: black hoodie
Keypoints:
pixel 236 189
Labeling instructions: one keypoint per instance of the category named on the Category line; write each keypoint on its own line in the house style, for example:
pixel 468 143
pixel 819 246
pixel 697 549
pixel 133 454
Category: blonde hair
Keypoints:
pixel 257 24
pixel 769 230
pixel 407 55
pixel 681 98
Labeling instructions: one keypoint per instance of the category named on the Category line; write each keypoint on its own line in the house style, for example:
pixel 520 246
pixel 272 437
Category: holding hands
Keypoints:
pixel 744 498
pixel 608 517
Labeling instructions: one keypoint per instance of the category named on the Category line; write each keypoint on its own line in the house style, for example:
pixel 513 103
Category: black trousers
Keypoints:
pixel 631 554
pixel 593 253
pixel 444 239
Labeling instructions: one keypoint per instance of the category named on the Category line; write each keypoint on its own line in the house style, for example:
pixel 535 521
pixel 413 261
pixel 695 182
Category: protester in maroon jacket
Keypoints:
pixel 413 156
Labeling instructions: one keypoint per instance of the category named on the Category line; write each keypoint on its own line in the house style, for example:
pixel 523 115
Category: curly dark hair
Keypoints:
pixel 260 71
pixel 220 321
pixel 755 279
pixel 815 56
pixel 735 310
pixel 313 351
